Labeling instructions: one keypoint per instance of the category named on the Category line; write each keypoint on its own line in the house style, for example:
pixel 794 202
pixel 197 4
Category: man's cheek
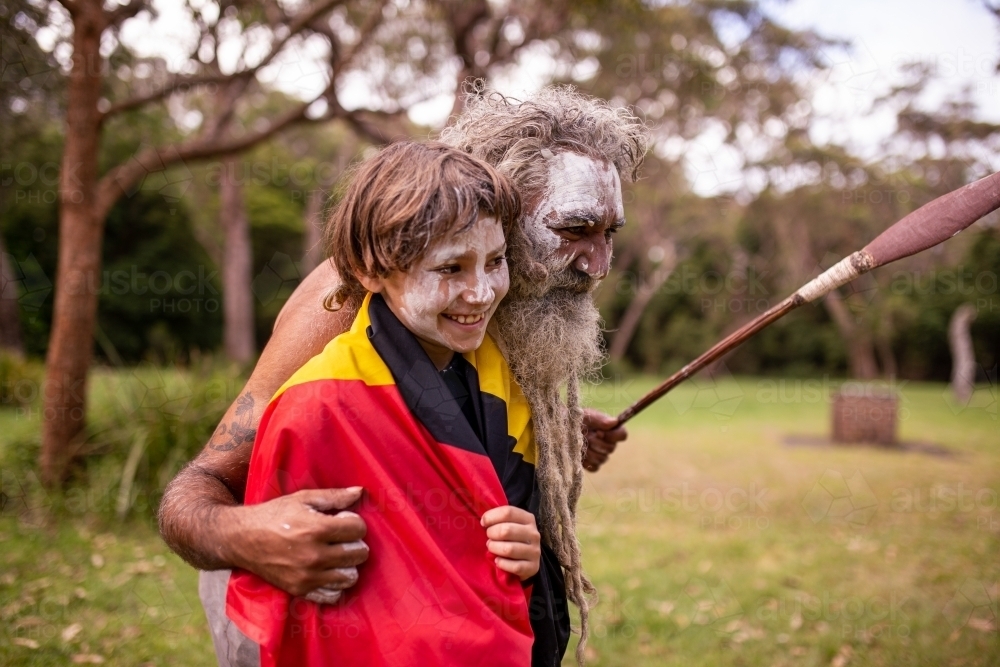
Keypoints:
pixel 500 283
pixel 564 256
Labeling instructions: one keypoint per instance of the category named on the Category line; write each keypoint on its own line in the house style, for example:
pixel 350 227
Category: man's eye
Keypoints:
pixel 576 231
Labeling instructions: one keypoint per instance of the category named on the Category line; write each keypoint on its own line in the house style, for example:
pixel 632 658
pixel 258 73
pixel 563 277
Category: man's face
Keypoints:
pixel 447 298
pixel 571 225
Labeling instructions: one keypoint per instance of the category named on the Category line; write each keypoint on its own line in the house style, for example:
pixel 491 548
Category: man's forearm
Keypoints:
pixel 197 515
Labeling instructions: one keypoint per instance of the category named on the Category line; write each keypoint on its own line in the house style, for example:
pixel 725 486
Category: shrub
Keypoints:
pixel 20 380
pixel 143 425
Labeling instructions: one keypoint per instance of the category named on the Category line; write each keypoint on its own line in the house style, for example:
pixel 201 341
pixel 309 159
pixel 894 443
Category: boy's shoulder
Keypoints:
pixel 492 368
pixel 495 378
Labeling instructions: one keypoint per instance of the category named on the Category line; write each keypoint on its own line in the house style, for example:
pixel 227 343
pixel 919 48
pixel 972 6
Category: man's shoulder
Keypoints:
pixel 496 378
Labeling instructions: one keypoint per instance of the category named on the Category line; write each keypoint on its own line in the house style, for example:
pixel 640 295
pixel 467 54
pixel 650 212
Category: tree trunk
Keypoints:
pixel 80 236
pixel 860 348
pixel 963 360
pixel 886 357
pixel 10 312
pixel 629 322
pixel 463 17
pixel 237 266
pixel 313 239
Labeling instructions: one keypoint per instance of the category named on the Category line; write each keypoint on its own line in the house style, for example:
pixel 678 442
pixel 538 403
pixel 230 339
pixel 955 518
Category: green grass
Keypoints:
pixel 714 542
pixel 70 593
pixel 711 540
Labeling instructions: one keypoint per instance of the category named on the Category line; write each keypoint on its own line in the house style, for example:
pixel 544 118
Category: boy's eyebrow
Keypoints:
pixel 500 249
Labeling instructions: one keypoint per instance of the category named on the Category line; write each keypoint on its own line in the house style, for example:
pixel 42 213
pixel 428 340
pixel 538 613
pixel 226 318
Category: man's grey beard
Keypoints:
pixel 548 326
pixel 550 338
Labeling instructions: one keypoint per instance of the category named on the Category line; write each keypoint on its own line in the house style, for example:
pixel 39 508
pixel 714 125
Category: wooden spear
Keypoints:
pixel 931 224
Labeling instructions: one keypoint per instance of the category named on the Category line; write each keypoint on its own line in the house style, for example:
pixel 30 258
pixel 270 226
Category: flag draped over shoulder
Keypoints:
pixel 371 410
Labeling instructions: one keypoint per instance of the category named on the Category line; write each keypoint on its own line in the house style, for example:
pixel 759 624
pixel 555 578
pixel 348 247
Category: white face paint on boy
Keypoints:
pixel 448 296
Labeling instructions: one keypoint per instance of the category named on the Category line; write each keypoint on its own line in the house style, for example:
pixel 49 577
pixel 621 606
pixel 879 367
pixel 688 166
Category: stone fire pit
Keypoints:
pixel 864 416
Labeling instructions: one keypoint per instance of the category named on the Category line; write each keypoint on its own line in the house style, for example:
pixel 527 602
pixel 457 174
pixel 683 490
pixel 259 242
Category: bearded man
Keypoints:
pixel 566 154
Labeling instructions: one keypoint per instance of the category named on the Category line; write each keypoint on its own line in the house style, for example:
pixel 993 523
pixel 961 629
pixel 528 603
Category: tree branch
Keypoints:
pixel 178 84
pixel 125 179
pixel 123 12
pixel 227 99
pixel 372 21
pixel 376 126
pixel 300 22
pixel 70 6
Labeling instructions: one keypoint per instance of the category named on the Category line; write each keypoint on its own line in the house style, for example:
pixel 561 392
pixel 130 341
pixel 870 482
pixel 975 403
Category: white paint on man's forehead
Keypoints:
pixel 576 184
pixel 579 182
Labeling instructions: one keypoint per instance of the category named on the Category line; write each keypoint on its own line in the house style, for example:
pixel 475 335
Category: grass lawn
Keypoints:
pixel 711 540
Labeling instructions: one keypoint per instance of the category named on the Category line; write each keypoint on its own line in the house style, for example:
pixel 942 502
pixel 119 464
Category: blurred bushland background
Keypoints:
pixel 165 167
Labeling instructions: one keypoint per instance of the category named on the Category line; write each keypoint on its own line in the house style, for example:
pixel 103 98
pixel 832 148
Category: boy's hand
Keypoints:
pixel 514 539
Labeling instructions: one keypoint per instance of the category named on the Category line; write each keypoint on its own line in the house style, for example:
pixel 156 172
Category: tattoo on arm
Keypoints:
pixel 240 431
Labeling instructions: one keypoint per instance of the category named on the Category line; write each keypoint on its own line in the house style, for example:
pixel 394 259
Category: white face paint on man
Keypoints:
pixel 579 210
pixel 447 298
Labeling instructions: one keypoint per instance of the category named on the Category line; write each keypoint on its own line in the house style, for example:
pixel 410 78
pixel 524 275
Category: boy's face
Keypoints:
pixel 447 298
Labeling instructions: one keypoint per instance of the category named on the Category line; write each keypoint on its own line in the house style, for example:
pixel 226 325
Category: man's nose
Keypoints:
pixel 594 258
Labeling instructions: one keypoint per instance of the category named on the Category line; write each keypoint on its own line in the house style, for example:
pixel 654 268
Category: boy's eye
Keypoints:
pixel 451 268
pixel 498 261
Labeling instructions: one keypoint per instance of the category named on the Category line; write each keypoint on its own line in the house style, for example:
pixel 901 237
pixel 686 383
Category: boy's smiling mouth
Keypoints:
pixel 465 319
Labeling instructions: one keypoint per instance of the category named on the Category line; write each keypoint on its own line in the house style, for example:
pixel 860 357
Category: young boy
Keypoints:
pixel 416 405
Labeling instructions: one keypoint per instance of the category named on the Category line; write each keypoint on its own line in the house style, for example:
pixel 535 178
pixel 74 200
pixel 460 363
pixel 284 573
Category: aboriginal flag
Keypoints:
pixel 434 450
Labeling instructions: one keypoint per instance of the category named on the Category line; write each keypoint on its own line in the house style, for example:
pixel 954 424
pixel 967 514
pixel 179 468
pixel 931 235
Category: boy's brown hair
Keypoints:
pixel 403 199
